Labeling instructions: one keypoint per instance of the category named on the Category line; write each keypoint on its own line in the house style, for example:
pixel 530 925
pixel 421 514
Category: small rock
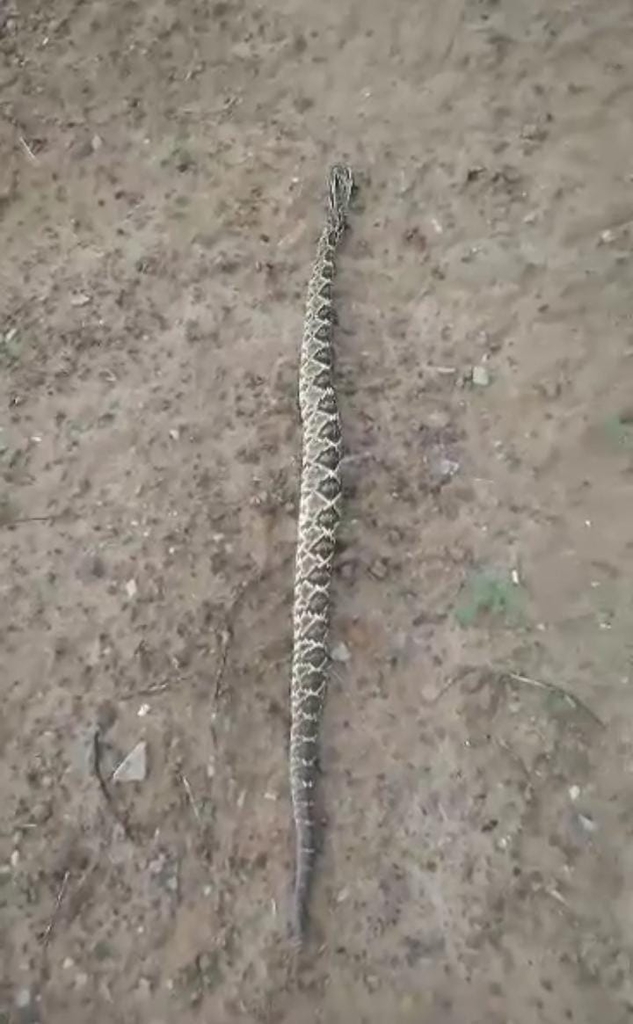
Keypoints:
pixel 341 652
pixel 156 865
pixel 174 434
pixel 79 300
pixel 23 998
pixel 447 469
pixel 481 377
pixel 133 768
pixel 96 143
pixel 144 988
pixel 143 710
pixel 378 569
pixel 588 824
pixel 68 963
pixel 15 858
pixel 534 132
pixel 574 792
pixel 131 588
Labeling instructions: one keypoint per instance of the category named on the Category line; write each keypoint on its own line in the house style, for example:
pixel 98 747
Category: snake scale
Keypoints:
pixel 319 515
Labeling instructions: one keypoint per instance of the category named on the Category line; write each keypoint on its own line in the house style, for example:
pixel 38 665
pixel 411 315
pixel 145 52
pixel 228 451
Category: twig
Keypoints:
pixel 31 519
pixel 526 680
pixel 107 795
pixel 27 149
pixel 189 792
pixel 226 635
pixel 225 638
pixel 58 902
pixel 148 691
pixel 560 690
pixel 462 674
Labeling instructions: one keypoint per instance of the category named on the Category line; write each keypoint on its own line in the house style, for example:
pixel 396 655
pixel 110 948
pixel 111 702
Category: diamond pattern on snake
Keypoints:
pixel 319 515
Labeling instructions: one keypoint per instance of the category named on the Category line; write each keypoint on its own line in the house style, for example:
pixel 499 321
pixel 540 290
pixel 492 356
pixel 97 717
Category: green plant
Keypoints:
pixel 619 430
pixel 489 592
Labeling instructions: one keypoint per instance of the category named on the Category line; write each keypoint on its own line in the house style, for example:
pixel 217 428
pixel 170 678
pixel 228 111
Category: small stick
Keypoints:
pixel 31 519
pixel 189 792
pixel 560 690
pixel 107 795
pixel 27 149
pixel 225 638
pixel 147 691
pixel 528 681
pixel 58 903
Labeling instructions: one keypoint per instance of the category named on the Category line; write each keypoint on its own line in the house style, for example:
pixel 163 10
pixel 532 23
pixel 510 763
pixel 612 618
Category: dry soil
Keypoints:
pixel 161 180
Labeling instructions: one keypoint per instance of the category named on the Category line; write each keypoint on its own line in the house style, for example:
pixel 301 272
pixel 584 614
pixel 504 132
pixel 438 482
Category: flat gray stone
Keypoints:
pixel 341 652
pixel 133 768
pixel 481 377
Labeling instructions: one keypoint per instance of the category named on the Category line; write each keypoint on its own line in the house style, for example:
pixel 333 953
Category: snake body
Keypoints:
pixel 319 515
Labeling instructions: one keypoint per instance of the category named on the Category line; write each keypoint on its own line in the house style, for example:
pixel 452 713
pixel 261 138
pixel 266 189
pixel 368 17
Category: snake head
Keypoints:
pixel 340 187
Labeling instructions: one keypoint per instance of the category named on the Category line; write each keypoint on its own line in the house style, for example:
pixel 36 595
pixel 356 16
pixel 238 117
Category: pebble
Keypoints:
pixel 144 988
pixel 587 823
pixel 574 792
pixel 133 768
pixel 378 569
pixel 131 588
pixel 341 652
pixel 447 469
pixel 481 377
pixel 23 998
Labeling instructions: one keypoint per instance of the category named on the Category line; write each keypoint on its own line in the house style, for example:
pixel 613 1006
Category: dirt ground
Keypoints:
pixel 161 181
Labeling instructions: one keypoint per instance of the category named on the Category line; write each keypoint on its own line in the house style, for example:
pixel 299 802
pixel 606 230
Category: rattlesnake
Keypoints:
pixel 319 514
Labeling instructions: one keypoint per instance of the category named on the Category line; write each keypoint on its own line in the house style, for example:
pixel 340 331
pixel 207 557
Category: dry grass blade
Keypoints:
pixel 517 677
pixel 560 691
pixel 107 795
pixel 58 902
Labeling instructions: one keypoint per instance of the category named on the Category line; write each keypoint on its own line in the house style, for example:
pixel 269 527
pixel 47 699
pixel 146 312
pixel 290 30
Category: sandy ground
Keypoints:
pixel 161 178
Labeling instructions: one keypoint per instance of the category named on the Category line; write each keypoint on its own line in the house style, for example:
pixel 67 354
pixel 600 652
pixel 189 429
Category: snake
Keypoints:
pixel 318 520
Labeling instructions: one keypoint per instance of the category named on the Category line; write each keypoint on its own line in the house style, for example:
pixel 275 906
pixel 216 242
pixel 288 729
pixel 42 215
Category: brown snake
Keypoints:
pixel 319 515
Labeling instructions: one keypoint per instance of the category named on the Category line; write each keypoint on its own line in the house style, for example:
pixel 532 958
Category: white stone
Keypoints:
pixel 341 652
pixel 133 768
pixel 481 377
